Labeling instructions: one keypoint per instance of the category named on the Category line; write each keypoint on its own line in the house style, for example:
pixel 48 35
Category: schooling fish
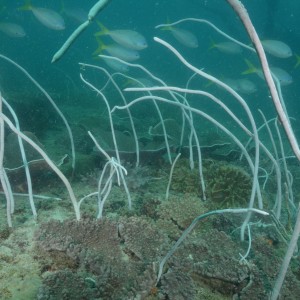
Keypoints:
pixel 12 29
pixel 183 36
pixel 117 51
pixel 227 47
pixel 283 76
pixel 277 48
pixel 244 86
pixel 297 64
pixel 127 38
pixel 116 65
pixel 76 13
pixel 47 17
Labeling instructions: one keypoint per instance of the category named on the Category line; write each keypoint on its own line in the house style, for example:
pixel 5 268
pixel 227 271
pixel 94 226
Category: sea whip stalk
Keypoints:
pixel 242 13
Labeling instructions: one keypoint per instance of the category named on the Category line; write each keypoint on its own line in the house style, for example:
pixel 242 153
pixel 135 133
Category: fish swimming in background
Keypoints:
pixel 76 13
pixel 297 64
pixel 2 8
pixel 277 48
pixel 45 16
pixel 117 51
pixel 244 86
pixel 227 47
pixel 12 30
pixel 283 76
pixel 116 65
pixel 125 37
pixel 183 36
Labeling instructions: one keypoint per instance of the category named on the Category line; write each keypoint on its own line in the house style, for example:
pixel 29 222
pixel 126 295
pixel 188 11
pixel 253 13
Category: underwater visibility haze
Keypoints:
pixel 145 153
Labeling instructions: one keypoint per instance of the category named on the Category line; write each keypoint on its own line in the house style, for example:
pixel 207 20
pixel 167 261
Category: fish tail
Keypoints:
pixel 2 8
pixel 96 57
pixel 210 83
pixel 251 68
pixel 62 7
pixel 167 26
pixel 128 83
pixel 27 5
pixel 103 30
pixel 100 48
pixel 297 64
pixel 212 44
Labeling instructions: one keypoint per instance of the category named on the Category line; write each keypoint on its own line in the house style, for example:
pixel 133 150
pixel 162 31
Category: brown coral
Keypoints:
pixel 116 257
pixel 178 285
pixel 227 185
pixel 178 212
pixel 141 238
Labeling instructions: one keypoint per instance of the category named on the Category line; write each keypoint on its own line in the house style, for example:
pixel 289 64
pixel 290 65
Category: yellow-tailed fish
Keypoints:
pixel 12 29
pixel 283 76
pixel 116 65
pixel 244 86
pixel 2 8
pixel 297 64
pixel 233 83
pixel 227 47
pixel 183 36
pixel 76 13
pixel 277 48
pixel 252 70
pixel 125 37
pixel 45 16
pixel 117 51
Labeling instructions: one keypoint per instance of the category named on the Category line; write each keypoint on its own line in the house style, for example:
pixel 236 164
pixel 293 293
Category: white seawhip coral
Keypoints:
pixel 211 25
pixel 194 223
pixel 285 168
pixel 96 8
pixel 109 114
pixel 115 168
pixel 184 117
pixel 48 161
pixel 110 78
pixel 3 177
pixel 112 133
pixel 242 13
pixel 277 205
pixel 154 78
pixel 51 101
pixel 244 105
pixel 209 118
pixel 232 39
pixel 24 159
pixel 171 174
